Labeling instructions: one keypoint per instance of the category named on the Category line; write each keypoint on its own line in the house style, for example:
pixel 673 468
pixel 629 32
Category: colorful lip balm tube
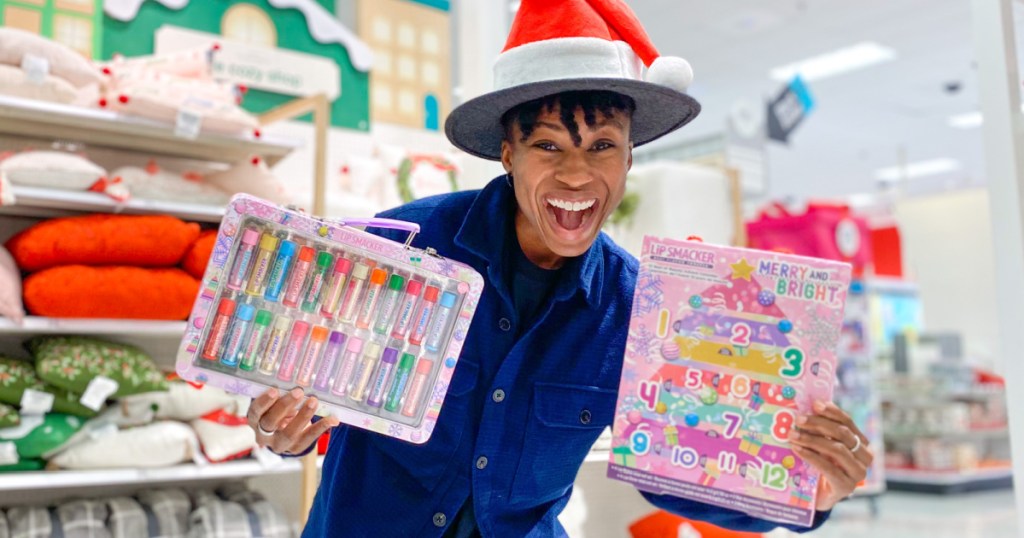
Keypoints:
pixel 283 263
pixel 347 367
pixel 276 343
pixel 401 380
pixel 364 371
pixel 233 352
pixel 261 265
pixel 243 259
pixel 293 351
pixel 424 315
pixel 311 358
pixel 440 328
pixel 297 282
pixel 335 345
pixel 336 289
pixel 383 377
pixel 350 308
pixel 418 389
pixel 219 330
pixel 389 303
pixel 257 340
pixel 373 293
pixel 406 310
pixel 315 288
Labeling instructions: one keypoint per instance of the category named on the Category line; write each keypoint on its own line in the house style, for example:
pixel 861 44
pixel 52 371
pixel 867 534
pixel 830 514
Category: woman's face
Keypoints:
pixel 564 191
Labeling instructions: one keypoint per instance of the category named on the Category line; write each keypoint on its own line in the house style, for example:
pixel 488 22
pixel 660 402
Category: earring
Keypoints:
pixel 508 178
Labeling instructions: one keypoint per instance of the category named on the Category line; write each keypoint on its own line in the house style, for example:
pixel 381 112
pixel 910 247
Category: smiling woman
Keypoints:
pixel 568 155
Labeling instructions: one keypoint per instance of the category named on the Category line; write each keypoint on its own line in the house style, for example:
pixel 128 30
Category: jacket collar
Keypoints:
pixel 481 234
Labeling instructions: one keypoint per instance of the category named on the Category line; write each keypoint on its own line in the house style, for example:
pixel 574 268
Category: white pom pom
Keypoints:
pixel 672 72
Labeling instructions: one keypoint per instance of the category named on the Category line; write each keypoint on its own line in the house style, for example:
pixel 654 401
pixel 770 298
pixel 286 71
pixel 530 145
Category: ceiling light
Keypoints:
pixel 917 169
pixel 836 62
pixel 970 120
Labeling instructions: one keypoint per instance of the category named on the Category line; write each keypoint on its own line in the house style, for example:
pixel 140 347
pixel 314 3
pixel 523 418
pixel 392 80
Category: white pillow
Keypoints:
pixel 156 445
pixel 252 177
pixel 53 169
pixel 181 401
pixel 224 436
pixel 159 184
pixel 161 100
pixel 15 82
pixel 63 61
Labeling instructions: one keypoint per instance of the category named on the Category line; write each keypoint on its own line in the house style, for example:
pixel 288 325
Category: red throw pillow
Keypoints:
pixel 78 291
pixel 144 241
pixel 199 254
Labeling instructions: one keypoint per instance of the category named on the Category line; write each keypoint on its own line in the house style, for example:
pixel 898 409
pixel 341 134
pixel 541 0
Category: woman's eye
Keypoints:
pixel 547 146
pixel 601 146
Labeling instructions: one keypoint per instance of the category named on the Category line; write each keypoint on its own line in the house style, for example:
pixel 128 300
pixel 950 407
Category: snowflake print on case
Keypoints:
pixel 649 294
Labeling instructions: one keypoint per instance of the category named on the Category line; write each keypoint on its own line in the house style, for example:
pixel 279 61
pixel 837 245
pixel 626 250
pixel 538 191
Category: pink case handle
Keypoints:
pixel 393 224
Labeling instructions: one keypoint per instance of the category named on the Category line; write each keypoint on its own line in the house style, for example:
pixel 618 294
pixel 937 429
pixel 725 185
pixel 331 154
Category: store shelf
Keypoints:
pixel 26 118
pixel 39 325
pixel 979 434
pixel 949 481
pixel 41 202
pixel 26 486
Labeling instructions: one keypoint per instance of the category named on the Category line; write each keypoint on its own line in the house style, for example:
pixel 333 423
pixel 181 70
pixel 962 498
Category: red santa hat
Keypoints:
pixel 577 45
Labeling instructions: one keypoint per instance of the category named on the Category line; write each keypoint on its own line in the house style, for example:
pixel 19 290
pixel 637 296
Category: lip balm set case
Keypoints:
pixel 371 327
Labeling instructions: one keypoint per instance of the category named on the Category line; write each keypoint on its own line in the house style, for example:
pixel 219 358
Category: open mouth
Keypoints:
pixel 572 215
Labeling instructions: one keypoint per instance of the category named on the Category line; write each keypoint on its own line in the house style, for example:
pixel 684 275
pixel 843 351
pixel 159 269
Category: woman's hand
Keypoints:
pixel 283 422
pixel 835 446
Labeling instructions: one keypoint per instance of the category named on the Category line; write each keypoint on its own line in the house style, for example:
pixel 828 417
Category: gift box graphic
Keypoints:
pixel 751 444
pixel 756 401
pixel 671 435
pixel 710 474
pixel 624 456
pixel 799 498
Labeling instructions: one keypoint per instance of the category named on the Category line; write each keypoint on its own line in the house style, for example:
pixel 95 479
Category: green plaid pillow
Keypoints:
pixel 71 362
pixel 16 376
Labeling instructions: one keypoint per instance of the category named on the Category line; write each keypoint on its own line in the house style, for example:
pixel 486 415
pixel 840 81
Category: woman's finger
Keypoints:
pixel 284 408
pixel 314 431
pixel 832 449
pixel 287 438
pixel 840 480
pixel 260 405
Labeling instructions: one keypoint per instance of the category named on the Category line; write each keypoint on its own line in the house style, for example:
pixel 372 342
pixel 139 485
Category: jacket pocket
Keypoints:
pixel 564 422
pixel 426 464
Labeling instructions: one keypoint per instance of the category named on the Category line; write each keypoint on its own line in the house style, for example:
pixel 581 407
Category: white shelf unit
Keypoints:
pixel 42 202
pixel 26 118
pixel 36 121
pixel 35 326
pixel 32 487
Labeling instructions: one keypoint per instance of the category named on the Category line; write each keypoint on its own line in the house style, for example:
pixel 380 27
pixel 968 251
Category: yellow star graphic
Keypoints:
pixel 742 270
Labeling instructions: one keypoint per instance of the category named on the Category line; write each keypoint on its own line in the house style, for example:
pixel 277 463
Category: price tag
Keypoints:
pixel 8 453
pixel 36 68
pixel 188 124
pixel 99 389
pixel 36 402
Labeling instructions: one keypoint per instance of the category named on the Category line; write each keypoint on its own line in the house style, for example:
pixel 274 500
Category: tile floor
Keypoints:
pixel 906 515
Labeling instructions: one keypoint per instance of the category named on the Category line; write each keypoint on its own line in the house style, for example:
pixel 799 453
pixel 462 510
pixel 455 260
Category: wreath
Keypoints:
pixel 410 163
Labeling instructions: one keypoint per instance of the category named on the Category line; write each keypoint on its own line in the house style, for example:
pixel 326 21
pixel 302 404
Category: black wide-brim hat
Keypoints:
pixel 577 45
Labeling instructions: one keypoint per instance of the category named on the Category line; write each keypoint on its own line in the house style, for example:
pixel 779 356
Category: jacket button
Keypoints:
pixel 440 519
pixel 481 463
pixel 498 396
pixel 504 324
pixel 585 416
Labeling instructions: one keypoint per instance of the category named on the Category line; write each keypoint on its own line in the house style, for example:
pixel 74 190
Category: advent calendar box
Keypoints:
pixel 726 347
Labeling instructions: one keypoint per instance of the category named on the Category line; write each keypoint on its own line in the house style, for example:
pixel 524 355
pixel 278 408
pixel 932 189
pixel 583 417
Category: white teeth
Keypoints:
pixel 571 206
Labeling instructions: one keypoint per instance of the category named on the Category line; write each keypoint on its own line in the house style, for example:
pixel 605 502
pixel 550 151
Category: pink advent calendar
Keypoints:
pixel 726 347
